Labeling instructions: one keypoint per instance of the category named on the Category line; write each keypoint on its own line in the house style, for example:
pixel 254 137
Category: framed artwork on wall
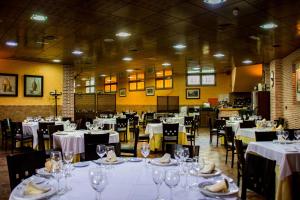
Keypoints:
pixel 193 93
pixel 150 91
pixel 33 86
pixel 122 92
pixel 9 85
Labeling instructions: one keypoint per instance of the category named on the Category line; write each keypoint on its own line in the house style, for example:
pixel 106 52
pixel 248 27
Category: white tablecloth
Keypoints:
pixel 152 129
pixel 110 121
pixel 179 120
pixel 234 124
pixel 74 140
pixel 250 132
pixel 127 181
pixel 288 161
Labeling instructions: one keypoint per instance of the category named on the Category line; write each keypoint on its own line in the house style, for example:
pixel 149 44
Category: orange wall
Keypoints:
pixel 53 80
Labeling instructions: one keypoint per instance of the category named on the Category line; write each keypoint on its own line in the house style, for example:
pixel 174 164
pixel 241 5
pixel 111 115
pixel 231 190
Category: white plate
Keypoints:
pixel 81 164
pixel 43 172
pixel 233 189
pixel 18 193
pixel 36 179
pixel 216 172
pixel 156 161
pixel 135 160
pixel 104 162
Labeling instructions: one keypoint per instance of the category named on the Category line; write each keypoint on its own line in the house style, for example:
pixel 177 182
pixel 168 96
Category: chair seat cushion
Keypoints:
pixel 25 137
pixel 122 129
pixel 46 136
pixel 144 136
pixel 127 146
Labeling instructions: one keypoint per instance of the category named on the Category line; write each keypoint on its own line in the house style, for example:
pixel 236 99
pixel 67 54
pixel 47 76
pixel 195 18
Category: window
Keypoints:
pixel 204 76
pixel 137 82
pixel 90 85
pixel 110 84
pixel 164 79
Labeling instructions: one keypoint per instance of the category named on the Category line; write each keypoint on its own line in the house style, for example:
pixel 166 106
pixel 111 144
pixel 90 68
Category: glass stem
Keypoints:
pixel 58 185
pixel 171 193
pixel 98 195
pixel 157 188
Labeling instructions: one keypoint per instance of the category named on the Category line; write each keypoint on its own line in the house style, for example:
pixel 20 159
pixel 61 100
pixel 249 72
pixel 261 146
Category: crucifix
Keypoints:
pixel 55 94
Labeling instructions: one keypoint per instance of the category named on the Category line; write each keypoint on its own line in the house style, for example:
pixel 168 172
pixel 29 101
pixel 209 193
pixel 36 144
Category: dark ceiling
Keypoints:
pixel 155 25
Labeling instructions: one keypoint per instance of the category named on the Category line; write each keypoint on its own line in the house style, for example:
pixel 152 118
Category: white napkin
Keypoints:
pixel 33 189
pixel 48 165
pixel 208 168
pixel 165 159
pixel 111 156
pixel 221 186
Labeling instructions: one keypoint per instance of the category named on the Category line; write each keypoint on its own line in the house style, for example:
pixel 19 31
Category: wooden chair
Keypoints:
pixel 193 150
pixel 131 148
pixel 19 136
pixel 90 143
pixel 155 121
pixel 197 123
pixel 122 127
pixel 43 127
pixel 21 166
pixel 191 135
pixel 67 118
pixel 5 133
pixel 247 124
pixel 217 130
pixel 148 117
pixel 229 144
pixel 241 159
pixel 52 129
pixel 265 136
pixel 170 134
pixel 188 123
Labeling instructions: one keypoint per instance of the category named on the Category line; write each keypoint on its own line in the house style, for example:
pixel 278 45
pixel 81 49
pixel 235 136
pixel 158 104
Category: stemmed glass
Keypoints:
pixel 109 148
pixel 68 158
pixel 158 176
pixel 185 166
pixel 297 134
pixel 98 180
pixel 177 154
pixel 145 150
pixel 101 125
pixel 101 150
pixel 57 168
pixel 172 179
pixel 285 135
pixel 88 125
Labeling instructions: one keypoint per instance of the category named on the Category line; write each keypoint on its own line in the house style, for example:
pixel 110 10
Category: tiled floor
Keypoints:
pixel 207 151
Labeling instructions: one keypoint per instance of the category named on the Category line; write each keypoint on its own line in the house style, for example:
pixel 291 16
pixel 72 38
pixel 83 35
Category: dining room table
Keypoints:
pixel 287 157
pixel 247 135
pixel 111 122
pixel 130 181
pixel 235 124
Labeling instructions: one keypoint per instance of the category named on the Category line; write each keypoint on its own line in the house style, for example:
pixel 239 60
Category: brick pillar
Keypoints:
pixel 266 71
pixel 276 92
pixel 68 91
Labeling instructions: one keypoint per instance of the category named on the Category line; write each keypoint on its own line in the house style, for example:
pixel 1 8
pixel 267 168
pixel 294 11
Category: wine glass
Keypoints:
pixel 285 135
pixel 177 154
pixel 145 150
pixel 297 134
pixel 109 148
pixel 185 154
pixel 101 125
pixel 101 150
pixel 98 181
pixel 158 176
pixel 88 125
pixel 172 179
pixel 57 168
pixel 279 135
pixel 68 158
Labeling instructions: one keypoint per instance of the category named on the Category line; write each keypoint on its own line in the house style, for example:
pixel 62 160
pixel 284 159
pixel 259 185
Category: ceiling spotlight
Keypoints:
pixel 37 17
pixel 11 43
pixel 77 52
pixel 129 70
pixel 123 34
pixel 108 40
pixel 179 46
pixel 247 61
pixel 270 25
pixel 166 64
pixel 127 59
pixel 219 55
pixel 213 2
pixel 196 68
pixel 103 75
pixel 56 60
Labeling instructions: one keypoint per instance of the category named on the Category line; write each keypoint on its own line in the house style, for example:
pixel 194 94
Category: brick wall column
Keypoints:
pixel 68 91
pixel 276 92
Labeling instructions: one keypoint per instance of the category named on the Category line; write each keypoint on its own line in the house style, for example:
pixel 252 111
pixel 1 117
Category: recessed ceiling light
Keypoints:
pixel 214 1
pixel 77 52
pixel 219 55
pixel 127 59
pixel 123 34
pixel 129 70
pixel 78 85
pixel 247 61
pixel 41 42
pixel 179 46
pixel 269 25
pixel 196 68
pixel 11 43
pixel 37 17
pixel 108 40
pixel 84 79
pixel 56 60
pixel 166 64
pixel 103 75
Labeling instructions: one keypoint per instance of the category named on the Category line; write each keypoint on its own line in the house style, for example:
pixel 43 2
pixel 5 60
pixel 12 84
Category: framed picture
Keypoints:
pixel 122 92
pixel 33 86
pixel 9 85
pixel 193 93
pixel 150 91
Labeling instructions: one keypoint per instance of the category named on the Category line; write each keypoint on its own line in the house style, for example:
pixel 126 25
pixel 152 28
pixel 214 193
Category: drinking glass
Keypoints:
pixel 101 150
pixel 88 125
pixel 297 134
pixel 145 150
pixel 172 179
pixel 185 153
pixel 57 168
pixel 101 125
pixel 109 148
pixel 68 158
pixel 285 135
pixel 158 176
pixel 98 181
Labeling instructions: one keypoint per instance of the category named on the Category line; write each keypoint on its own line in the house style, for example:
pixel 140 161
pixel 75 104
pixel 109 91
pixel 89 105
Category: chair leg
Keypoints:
pixel 238 177
pixel 210 138
pixel 232 158
pixel 217 140
pixel 226 156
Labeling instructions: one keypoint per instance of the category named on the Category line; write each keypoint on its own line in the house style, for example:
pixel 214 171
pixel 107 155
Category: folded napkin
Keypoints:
pixel 48 165
pixel 111 156
pixel 208 168
pixel 279 128
pixel 32 189
pixel 165 159
pixel 221 186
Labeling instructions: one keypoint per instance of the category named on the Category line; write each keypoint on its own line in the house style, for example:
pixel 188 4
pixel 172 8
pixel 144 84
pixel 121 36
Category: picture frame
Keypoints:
pixel 193 93
pixel 122 92
pixel 150 91
pixel 8 85
pixel 33 86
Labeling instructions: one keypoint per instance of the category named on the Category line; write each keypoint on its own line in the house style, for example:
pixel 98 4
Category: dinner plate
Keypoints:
pixel 36 179
pixel 104 162
pixel 233 189
pixel 18 193
pixel 43 172
pixel 134 159
pixel 81 164
pixel 156 161
pixel 216 172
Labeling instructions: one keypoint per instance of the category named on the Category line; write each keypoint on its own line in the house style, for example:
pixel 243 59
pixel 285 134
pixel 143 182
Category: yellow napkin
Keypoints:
pixel 32 189
pixel 165 159
pixel 279 128
pixel 48 165
pixel 111 156
pixel 208 168
pixel 221 186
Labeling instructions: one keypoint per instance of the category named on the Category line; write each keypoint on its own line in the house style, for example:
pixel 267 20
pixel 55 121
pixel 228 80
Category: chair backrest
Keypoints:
pixel 220 124
pixel 149 116
pixel 43 126
pixel 79 124
pixel 52 129
pixel 265 136
pixel 136 120
pixel 155 121
pixel 90 143
pixel 229 136
pixel 247 124
pixel 188 121
pixel 193 150
pixel 121 124
pixel 16 128
pixel 170 132
pixel 21 166
pixel 41 141
pixel 210 124
pixel 240 154
pixel 67 118
pixel 136 140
